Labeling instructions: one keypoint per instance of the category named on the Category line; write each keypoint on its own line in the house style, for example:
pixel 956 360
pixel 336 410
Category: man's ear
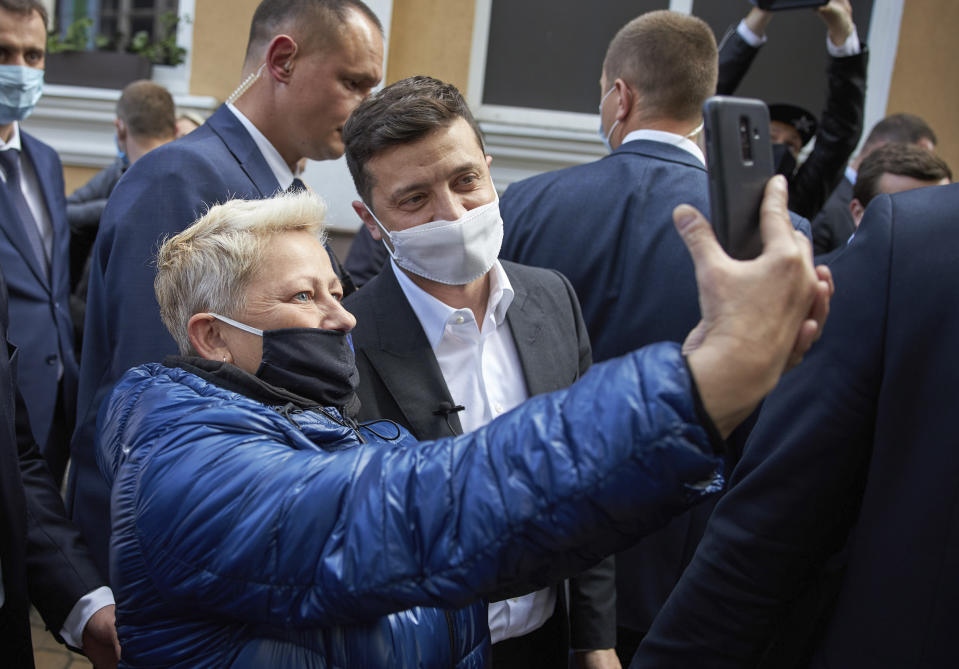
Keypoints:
pixel 857 210
pixel 204 333
pixel 280 58
pixel 121 129
pixel 489 160
pixel 625 99
pixel 368 220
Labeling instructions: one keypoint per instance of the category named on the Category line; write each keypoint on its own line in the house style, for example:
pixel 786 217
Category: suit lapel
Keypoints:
pixel 12 225
pixel 530 325
pixel 404 361
pixel 58 223
pixel 244 149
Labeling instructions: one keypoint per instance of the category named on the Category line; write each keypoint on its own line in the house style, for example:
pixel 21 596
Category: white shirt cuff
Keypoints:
pixel 751 38
pixel 85 607
pixel 850 47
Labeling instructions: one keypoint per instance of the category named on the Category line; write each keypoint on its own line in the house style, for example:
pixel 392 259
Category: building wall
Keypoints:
pixel 75 176
pixel 431 37
pixel 923 80
pixel 220 32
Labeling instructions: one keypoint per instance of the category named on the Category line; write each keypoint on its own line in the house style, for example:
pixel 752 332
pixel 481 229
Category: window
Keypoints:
pixel 125 18
pixel 535 67
pixel 119 20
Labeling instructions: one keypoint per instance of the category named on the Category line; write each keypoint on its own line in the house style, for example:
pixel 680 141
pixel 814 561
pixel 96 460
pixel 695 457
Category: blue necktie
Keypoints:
pixel 10 161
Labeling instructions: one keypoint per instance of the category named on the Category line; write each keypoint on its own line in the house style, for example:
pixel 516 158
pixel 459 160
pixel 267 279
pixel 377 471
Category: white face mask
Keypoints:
pixel 451 252
pixel 603 135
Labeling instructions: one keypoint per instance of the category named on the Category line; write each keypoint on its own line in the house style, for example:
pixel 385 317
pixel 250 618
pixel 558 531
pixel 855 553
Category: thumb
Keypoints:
pixel 698 236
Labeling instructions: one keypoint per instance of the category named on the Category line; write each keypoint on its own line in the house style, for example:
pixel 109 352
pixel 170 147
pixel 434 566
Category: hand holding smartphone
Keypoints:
pixel 739 161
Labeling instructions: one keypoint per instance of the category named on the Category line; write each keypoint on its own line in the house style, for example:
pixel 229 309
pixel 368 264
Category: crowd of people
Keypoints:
pixel 556 428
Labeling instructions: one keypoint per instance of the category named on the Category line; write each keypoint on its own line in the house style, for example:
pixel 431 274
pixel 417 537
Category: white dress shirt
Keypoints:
pixel 482 370
pixel 30 187
pixel 282 171
pixel 668 138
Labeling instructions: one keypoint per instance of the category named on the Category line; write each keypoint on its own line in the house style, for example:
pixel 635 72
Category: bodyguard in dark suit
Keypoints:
pixel 293 103
pixel 42 558
pixel 836 545
pixel 35 239
pixel 447 337
pixel 607 226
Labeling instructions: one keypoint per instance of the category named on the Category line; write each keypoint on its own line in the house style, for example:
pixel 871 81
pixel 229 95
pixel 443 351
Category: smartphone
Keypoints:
pixel 739 160
pixel 776 5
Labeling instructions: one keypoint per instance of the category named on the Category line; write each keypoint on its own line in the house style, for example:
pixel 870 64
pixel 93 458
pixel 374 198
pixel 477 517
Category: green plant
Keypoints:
pixel 76 38
pixel 164 50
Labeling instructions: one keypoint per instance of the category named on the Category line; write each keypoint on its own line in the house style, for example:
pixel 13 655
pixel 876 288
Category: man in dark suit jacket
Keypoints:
pixel 448 338
pixel 834 225
pixel 607 226
pixel 307 67
pixel 34 245
pixel 42 557
pixel 837 540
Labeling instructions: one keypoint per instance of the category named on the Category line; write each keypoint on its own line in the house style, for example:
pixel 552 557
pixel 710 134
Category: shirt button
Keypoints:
pixel 459 320
pixel 498 408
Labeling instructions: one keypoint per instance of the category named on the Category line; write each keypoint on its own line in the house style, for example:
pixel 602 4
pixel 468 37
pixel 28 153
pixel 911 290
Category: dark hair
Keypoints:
pixel 26 7
pixel 670 58
pixel 322 17
pixel 148 111
pixel 400 113
pixel 907 128
pixel 908 160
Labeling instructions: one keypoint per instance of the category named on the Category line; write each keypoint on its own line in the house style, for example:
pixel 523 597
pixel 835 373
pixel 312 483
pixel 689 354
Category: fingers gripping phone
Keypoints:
pixel 739 161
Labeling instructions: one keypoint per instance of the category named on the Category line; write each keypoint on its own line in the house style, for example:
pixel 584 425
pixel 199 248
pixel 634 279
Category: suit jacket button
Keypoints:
pixel 51 359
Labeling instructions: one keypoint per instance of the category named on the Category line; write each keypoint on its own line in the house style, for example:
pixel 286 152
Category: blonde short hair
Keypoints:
pixel 208 266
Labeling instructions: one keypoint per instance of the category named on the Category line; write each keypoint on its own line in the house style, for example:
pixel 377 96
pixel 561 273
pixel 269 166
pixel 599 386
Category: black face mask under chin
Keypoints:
pixel 783 160
pixel 313 363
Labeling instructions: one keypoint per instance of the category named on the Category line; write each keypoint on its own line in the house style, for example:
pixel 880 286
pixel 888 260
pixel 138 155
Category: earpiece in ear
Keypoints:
pixel 287 66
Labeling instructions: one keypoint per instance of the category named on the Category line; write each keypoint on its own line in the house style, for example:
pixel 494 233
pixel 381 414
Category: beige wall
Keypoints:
pixel 74 176
pixel 431 37
pixel 924 81
pixel 220 30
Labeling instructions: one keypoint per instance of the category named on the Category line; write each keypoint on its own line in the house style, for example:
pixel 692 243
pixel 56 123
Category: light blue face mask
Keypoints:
pixel 121 154
pixel 606 135
pixel 20 88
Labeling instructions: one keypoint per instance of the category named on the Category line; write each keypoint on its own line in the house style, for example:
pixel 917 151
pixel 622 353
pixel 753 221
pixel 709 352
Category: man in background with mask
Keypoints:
pixel 35 238
pixel 145 120
pixel 607 226
pixel 307 66
pixel 791 127
pixel 448 338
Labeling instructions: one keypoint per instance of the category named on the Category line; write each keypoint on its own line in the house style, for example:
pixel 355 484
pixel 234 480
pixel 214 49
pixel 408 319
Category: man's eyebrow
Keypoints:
pixel 401 190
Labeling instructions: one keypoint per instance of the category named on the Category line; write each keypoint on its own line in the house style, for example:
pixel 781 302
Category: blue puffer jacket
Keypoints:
pixel 249 536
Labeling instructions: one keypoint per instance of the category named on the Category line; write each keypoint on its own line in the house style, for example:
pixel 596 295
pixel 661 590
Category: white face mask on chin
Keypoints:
pixel 451 252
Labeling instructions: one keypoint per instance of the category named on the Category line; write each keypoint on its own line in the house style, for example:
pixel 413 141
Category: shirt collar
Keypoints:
pixel 851 175
pixel 14 142
pixel 667 138
pixel 434 314
pixel 282 171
